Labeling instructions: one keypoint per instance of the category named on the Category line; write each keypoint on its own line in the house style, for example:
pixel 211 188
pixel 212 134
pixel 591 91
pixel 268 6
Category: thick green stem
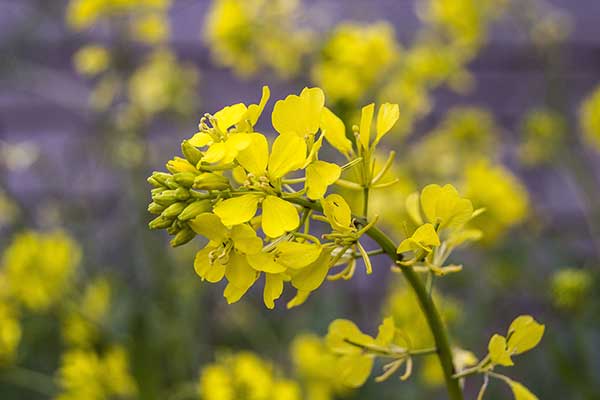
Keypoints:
pixel 434 320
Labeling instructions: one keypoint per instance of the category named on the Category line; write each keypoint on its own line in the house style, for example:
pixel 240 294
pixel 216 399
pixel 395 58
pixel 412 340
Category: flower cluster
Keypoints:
pixel 244 375
pixel 254 205
pixel 589 119
pixel 250 35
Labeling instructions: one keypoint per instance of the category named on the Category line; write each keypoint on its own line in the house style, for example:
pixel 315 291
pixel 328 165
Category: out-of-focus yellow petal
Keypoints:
pixel 255 110
pixel 311 277
pixel 298 299
pixel 255 157
pixel 387 116
pixel 288 154
pixel 335 132
pixel 319 175
pixel 229 116
pixel 278 216
pixel 245 239
pixel 366 119
pixel 413 208
pixel 340 332
pixel 273 289
pixel 354 369
pixel 210 226
pixel 237 210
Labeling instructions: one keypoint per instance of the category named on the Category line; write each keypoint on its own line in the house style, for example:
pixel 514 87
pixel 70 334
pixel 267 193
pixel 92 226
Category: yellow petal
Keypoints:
pixel 288 154
pixel 311 277
pixel 300 115
pixel 413 208
pixel 240 276
pixel 278 216
pixel 229 116
pixel 343 331
pixel 524 334
pixel 497 350
pixel 386 333
pixel 200 139
pixel 429 198
pixel 335 132
pixel 273 289
pixel 265 262
pixel 215 153
pixel 353 370
pixel 211 272
pixel 520 392
pixel 387 116
pixel 337 212
pixel 298 299
pixel 255 157
pixel 297 255
pixel 366 119
pixel 255 110
pixel 426 235
pixel 245 239
pixel 237 210
pixel 210 226
pixel 319 175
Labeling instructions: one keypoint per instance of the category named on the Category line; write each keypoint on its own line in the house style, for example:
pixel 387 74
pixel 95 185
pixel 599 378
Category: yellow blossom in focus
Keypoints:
pixel 91 60
pixel 84 374
pixel 38 268
pixel 354 59
pixel 245 375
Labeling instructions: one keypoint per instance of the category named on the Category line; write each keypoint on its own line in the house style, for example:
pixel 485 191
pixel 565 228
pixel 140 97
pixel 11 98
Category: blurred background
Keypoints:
pixel 499 97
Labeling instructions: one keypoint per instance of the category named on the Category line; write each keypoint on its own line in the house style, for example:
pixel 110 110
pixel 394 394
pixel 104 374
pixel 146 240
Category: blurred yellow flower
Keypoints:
pixel 245 375
pixel 38 268
pixel 589 118
pixel 543 131
pixel 355 59
pixel 84 374
pixel 152 28
pixel 81 14
pixel 570 288
pixel 10 332
pixel 91 60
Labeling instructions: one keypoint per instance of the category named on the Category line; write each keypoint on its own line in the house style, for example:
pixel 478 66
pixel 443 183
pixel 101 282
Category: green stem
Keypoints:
pixel 429 309
pixel 365 201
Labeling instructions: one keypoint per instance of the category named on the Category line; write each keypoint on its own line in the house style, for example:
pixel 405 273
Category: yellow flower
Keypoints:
pixel 152 28
pixel 422 240
pixel 334 130
pixel 38 268
pixel 91 60
pixel 225 254
pixel 387 116
pixel 442 206
pixel 10 332
pixel 589 118
pixel 300 115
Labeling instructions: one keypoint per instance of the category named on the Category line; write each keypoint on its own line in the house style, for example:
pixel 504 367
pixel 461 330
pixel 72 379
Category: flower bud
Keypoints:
pixel 156 191
pixel 160 222
pixel 194 209
pixel 179 164
pixel 171 183
pixel 173 210
pixel 182 193
pixel 192 154
pixel 185 179
pixel 182 237
pixel 165 198
pixel 154 182
pixel 160 177
pixel 155 208
pixel 211 181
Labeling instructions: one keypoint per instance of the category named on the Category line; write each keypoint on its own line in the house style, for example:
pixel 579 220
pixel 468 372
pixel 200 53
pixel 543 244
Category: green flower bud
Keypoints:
pixel 185 179
pixel 156 191
pixel 194 209
pixel 160 222
pixel 160 177
pixel 173 210
pixel 182 237
pixel 211 181
pixel 171 183
pixel 155 208
pixel 174 228
pixel 192 154
pixel 182 193
pixel 154 182
pixel 165 198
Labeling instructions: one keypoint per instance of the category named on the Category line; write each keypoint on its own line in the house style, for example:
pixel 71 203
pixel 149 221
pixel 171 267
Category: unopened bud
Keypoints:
pixel 179 164
pixel 211 181
pixel 156 191
pixel 155 208
pixel 183 237
pixel 174 228
pixel 192 154
pixel 165 198
pixel 173 210
pixel 171 183
pixel 160 222
pixel 194 209
pixel 185 179
pixel 160 177
pixel 182 193
pixel 153 182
